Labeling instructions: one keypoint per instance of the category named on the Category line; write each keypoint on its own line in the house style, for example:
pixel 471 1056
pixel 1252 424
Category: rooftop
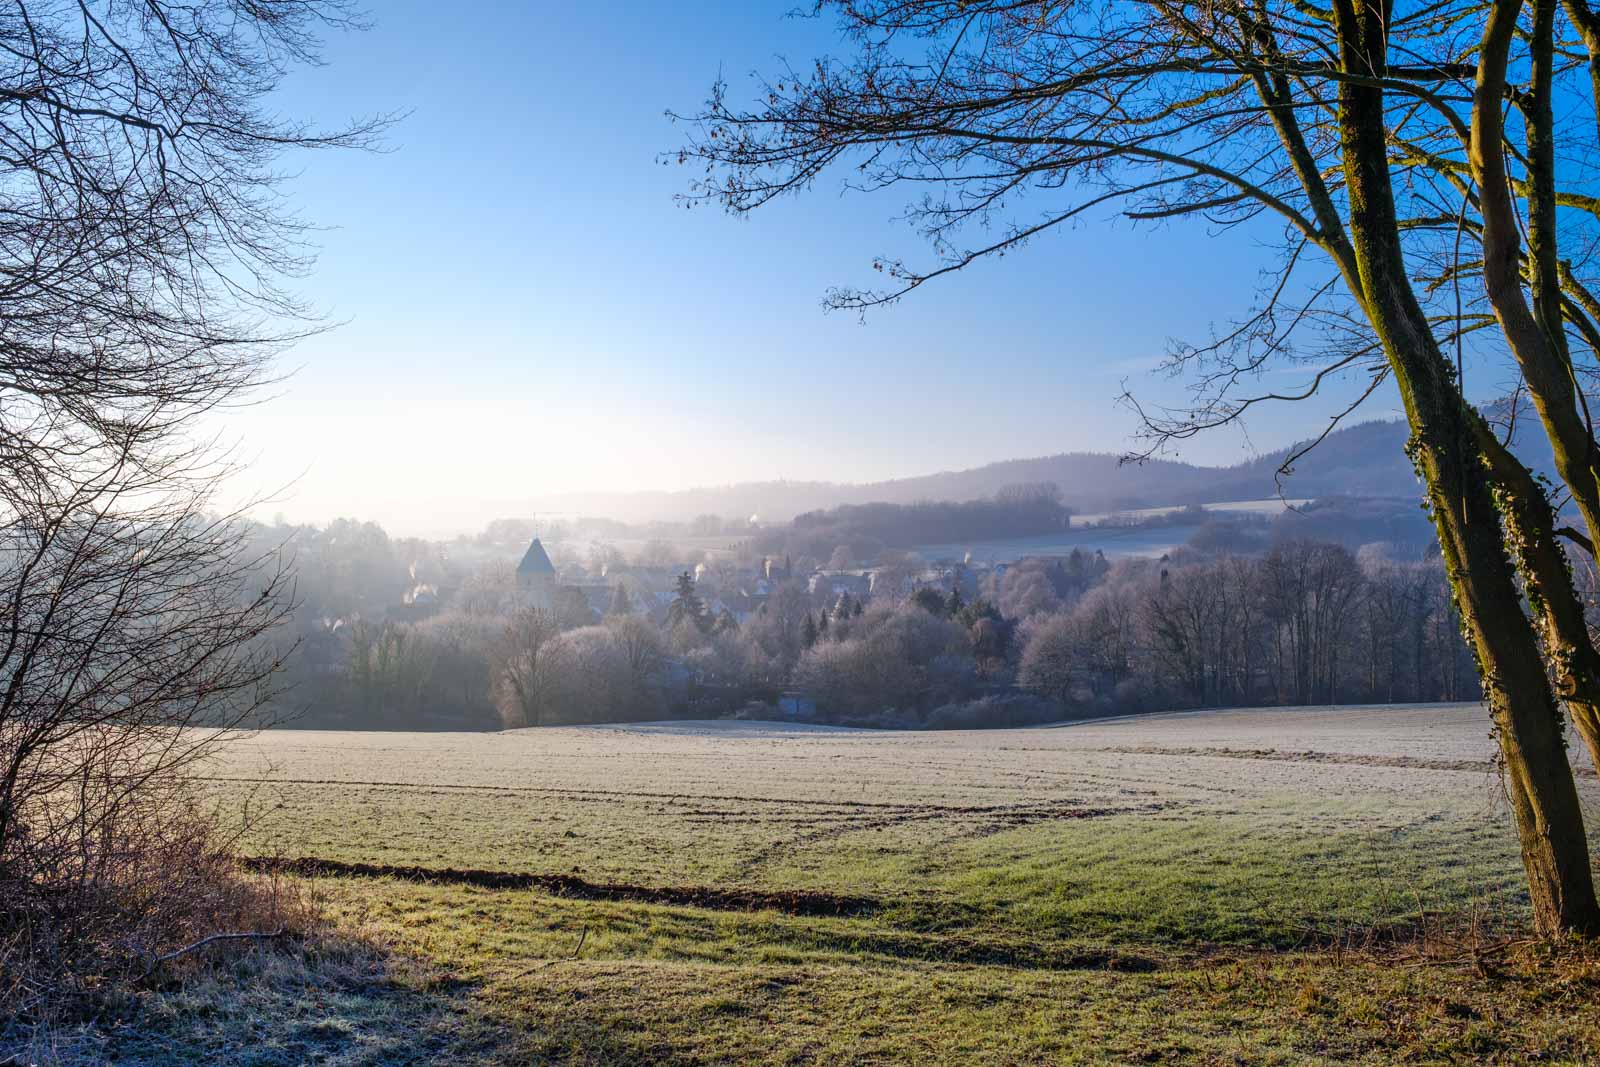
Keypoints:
pixel 535 560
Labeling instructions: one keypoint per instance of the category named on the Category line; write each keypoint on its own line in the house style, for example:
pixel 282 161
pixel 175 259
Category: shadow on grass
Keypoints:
pixel 327 1001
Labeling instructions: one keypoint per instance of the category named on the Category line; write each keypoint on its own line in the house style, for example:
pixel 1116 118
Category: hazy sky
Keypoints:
pixel 527 311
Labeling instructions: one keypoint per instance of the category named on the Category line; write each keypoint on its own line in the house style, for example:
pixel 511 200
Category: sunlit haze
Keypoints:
pixel 523 309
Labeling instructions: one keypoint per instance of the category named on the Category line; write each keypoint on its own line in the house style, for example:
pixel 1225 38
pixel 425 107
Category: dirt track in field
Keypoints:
pixel 1346 758
pixel 791 902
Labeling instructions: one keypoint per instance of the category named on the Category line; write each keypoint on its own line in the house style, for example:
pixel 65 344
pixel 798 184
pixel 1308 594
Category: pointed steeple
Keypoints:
pixel 535 561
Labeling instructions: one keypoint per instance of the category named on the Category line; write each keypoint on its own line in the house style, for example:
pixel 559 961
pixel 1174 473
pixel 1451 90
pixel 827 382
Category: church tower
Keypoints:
pixel 536 577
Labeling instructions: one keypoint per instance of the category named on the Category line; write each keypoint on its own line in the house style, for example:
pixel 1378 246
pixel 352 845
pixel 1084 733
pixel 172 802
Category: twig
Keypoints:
pixel 1477 955
pixel 204 941
pixel 542 964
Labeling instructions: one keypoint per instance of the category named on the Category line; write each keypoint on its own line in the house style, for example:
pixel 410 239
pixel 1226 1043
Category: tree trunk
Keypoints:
pixel 1544 798
pixel 1569 649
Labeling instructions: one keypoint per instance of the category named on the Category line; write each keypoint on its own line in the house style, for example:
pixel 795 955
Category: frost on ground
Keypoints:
pixel 1278 886
pixel 748 801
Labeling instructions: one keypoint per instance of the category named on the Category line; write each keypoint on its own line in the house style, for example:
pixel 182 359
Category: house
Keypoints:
pixel 743 604
pixel 536 577
pixel 840 583
pixel 597 595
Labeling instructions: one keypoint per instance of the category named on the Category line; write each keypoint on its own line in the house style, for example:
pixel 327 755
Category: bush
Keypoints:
pixel 589 679
pixel 895 657
pixel 1142 693
pixel 882 719
pixel 991 712
pixel 155 874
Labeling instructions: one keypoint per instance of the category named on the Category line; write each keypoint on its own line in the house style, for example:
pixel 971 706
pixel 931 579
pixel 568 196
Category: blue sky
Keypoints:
pixel 525 309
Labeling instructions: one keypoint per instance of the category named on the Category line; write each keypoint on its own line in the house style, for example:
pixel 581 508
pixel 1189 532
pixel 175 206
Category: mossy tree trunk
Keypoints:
pixel 1544 797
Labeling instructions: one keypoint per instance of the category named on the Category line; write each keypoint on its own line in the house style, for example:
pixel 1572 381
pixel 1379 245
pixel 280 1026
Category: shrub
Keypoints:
pixel 1052 659
pixel 990 712
pixel 589 679
pixel 1142 693
pixel 155 874
pixel 895 657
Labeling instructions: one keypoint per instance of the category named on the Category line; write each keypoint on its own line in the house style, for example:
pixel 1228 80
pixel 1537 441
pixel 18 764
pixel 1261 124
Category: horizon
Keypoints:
pixel 567 506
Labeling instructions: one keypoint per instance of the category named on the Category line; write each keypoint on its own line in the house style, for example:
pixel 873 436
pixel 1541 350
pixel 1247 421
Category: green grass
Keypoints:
pixel 671 986
pixel 1043 899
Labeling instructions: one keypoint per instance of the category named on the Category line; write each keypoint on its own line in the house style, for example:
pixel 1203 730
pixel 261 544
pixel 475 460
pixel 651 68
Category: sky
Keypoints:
pixel 524 309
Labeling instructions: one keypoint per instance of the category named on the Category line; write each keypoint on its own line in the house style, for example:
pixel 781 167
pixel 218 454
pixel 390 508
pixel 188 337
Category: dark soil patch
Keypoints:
pixel 788 901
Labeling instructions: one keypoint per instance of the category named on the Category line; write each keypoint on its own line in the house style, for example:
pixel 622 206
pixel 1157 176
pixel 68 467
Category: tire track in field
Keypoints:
pixel 1353 759
pixel 988 819
pixel 619 794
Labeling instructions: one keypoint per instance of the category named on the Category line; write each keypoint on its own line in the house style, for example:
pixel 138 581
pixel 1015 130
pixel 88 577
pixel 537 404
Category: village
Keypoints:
pixel 734 592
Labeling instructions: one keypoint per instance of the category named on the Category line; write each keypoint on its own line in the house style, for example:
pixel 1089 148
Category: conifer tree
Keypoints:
pixel 688 605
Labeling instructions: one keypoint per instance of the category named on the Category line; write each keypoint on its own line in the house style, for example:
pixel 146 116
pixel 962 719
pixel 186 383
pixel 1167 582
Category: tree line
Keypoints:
pixel 1306 623
pixel 1297 622
pixel 1021 510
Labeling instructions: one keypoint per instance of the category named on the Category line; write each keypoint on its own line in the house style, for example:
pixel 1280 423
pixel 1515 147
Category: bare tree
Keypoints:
pixel 1107 621
pixel 775 629
pixel 1054 661
pixel 896 656
pixel 489 590
pixel 1198 619
pixel 134 640
pixel 640 643
pixel 1393 624
pixel 143 246
pixel 1372 134
pixel 522 667
pixel 1026 589
pixel 1312 590
pixel 586 677
pixel 656 553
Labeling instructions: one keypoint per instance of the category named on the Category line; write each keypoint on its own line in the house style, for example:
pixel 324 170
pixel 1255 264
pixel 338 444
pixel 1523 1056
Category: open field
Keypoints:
pixel 1269 508
pixel 1114 541
pixel 1261 886
pixel 1104 533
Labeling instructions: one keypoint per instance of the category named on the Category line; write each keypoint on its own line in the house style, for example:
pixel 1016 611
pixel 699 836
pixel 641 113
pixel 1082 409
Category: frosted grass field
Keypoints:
pixel 1274 886
pixel 749 801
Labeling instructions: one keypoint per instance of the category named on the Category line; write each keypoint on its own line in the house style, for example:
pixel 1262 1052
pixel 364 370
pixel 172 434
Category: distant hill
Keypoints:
pixel 1367 459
